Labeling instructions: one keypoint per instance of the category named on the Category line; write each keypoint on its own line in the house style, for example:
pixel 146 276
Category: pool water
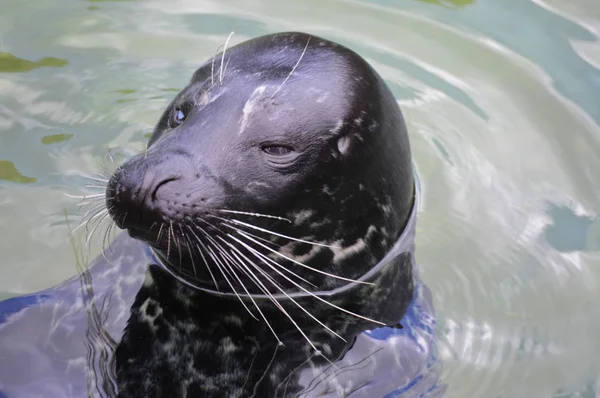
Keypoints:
pixel 502 101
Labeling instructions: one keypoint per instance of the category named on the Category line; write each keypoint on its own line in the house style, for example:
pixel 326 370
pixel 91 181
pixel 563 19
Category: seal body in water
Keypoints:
pixel 274 212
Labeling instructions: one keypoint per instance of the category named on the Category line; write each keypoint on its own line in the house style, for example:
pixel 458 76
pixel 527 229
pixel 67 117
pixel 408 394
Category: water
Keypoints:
pixel 502 105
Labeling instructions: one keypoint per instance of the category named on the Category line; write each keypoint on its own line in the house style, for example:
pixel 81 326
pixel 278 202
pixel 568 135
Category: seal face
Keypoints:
pixel 282 170
pixel 290 126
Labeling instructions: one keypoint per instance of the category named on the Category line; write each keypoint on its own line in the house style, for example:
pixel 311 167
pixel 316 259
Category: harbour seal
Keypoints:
pixel 275 206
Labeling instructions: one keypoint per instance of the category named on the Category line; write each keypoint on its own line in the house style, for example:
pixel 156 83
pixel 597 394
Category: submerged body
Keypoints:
pixel 273 216
pixel 53 345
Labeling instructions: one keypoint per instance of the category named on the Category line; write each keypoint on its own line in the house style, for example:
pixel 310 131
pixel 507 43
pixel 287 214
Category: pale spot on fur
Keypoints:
pixel 249 107
pixel 288 250
pixel 228 346
pixel 341 253
pixel 233 320
pixel 343 144
pixel 148 280
pixel 387 209
pixel 302 216
pixel 338 126
pixel 150 319
pixel 327 190
pixel 320 95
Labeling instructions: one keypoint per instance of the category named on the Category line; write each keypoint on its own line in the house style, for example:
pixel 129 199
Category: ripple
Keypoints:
pixel 501 105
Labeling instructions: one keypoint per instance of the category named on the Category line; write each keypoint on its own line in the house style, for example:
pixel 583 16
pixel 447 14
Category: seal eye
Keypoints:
pixel 277 150
pixel 177 116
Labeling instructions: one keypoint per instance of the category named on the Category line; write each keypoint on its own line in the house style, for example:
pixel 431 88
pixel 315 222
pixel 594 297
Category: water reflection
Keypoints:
pixel 11 64
pixel 454 3
pixel 501 104
pixel 8 172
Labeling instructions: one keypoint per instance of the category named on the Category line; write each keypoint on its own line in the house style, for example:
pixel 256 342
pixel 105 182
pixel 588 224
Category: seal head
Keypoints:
pixel 289 126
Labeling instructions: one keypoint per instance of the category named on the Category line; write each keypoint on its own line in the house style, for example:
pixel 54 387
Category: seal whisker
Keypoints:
pixel 159 232
pixel 238 222
pixel 178 245
pixel 311 293
pixel 86 220
pixel 338 371
pixel 232 272
pixel 271 297
pixel 270 279
pixel 223 56
pixel 105 180
pixel 243 233
pixel 212 67
pixel 191 253
pixel 262 288
pixel 202 255
pixel 255 389
pixel 95 186
pixel 293 69
pixel 169 233
pixel 277 264
pixel 227 268
pixel 260 256
pixel 104 215
pixel 98 202
pixel 84 197
pixel 257 282
pixel 247 213
pixel 290 375
pixel 106 235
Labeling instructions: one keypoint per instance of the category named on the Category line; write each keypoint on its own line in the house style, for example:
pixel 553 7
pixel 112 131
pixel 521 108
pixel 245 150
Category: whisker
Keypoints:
pixel 277 234
pixel 188 243
pixel 98 202
pixel 212 67
pixel 267 277
pixel 84 197
pixel 254 214
pixel 91 234
pixel 202 255
pixel 103 180
pixel 169 239
pixel 277 264
pixel 299 263
pixel 85 222
pixel 159 232
pixel 223 56
pixel 216 259
pixel 255 389
pixel 307 291
pixel 105 239
pixel 255 252
pixel 254 279
pixel 293 69
pixel 94 186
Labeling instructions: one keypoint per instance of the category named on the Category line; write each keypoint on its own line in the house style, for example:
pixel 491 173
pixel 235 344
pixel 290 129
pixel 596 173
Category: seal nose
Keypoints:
pixel 132 195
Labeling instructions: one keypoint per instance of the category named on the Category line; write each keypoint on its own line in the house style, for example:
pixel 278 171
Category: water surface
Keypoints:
pixel 503 108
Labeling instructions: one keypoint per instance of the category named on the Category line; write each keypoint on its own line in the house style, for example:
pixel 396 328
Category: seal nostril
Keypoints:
pixel 160 184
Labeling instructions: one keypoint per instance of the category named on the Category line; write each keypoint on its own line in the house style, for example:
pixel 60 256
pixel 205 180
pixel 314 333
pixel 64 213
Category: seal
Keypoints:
pixel 273 219
pixel 289 171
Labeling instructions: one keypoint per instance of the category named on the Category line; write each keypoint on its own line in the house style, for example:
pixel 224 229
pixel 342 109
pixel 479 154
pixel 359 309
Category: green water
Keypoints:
pixel 502 100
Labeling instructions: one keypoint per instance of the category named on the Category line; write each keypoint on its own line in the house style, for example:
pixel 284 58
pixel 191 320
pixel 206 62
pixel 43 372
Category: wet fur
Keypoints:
pixel 349 190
